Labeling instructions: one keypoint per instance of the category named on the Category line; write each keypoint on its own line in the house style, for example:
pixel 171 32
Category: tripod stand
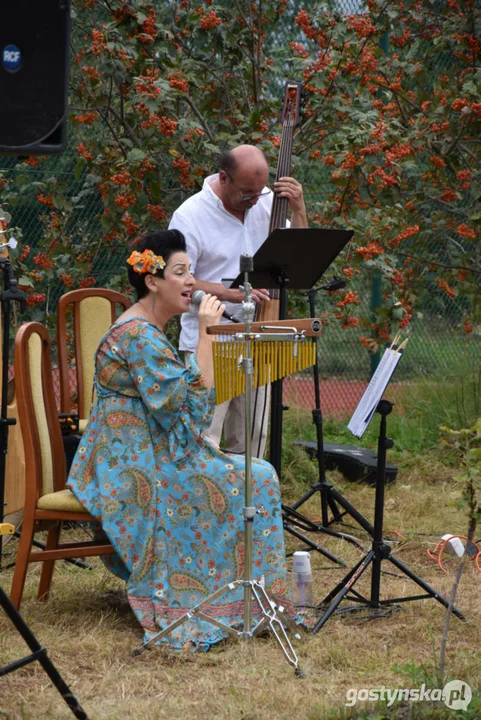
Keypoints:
pixel 38 652
pixel 330 498
pixel 379 552
pixel 10 294
pixel 272 616
pixel 281 260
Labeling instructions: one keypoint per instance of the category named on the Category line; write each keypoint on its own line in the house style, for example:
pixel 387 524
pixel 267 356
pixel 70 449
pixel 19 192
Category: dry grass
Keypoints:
pixel 89 632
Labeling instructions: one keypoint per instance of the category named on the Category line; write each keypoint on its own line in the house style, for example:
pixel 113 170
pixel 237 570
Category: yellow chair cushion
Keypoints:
pixel 62 501
pixel 82 424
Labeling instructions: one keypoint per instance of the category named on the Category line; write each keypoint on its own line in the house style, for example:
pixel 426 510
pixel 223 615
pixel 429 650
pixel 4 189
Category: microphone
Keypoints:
pixel 196 298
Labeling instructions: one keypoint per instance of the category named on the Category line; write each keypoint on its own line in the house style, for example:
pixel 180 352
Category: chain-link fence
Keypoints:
pixel 437 344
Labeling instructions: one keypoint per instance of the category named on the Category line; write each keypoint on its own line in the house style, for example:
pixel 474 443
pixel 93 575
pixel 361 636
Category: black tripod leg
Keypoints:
pixel 351 510
pixel 304 523
pixel 326 501
pixel 38 654
pixel 424 585
pixel 313 545
pixel 340 592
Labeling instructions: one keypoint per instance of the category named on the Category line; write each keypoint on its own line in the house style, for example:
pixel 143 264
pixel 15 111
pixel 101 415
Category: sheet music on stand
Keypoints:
pixel 375 390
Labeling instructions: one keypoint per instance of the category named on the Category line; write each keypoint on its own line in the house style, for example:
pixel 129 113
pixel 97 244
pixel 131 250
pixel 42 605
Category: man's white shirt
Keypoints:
pixel 215 241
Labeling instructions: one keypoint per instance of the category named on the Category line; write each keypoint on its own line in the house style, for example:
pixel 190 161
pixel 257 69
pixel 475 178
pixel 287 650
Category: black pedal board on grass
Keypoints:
pixel 353 462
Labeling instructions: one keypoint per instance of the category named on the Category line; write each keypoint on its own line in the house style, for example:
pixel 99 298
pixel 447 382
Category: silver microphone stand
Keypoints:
pixel 273 616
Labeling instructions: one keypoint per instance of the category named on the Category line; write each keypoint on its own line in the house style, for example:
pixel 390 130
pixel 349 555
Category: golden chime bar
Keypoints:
pixel 272 359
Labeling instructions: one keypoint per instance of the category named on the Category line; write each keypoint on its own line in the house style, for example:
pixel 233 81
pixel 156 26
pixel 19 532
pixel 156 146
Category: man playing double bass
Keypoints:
pixel 229 217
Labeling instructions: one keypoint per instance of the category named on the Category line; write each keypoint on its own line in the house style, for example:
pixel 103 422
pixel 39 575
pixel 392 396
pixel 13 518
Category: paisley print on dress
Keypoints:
pixel 169 500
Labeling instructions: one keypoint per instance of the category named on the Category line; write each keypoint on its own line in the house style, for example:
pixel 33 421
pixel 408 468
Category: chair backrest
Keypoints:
pixel 37 413
pixel 94 310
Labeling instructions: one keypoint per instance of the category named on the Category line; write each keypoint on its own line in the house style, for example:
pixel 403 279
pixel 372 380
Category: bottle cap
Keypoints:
pixel 301 562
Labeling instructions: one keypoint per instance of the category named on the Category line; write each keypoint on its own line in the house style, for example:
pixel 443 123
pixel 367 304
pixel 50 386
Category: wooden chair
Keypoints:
pixel 46 498
pixel 94 311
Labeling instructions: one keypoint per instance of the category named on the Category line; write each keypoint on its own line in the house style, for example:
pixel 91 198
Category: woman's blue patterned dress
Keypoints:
pixel 169 500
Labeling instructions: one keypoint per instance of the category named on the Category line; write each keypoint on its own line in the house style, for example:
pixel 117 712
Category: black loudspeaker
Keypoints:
pixel 34 43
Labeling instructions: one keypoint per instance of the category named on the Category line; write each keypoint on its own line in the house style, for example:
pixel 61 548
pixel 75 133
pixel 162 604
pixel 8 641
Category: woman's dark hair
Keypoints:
pixel 164 243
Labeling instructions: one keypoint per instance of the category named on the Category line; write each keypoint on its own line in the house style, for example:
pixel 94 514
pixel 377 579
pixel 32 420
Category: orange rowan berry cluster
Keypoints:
pixel 145 85
pixel 373 149
pixel 347 320
pixel 464 177
pixel 87 282
pixel 408 232
pixel 381 178
pixel 192 135
pixel 405 321
pixel 177 82
pixel 125 201
pixel 92 73
pixel 129 225
pixel 361 25
pixel 123 178
pixel 45 200
pixel 350 298
pixel 111 236
pixel 183 166
pixel 369 343
pixel 370 251
pixel 98 43
pixel 66 279
pixel 447 288
pixel 149 28
pixel 82 150
pixel 397 152
pixel 35 298
pixel 157 212
pixel 32 161
pixel 210 21
pixel 438 161
pixel 87 118
pixel 465 231
pixel 448 196
pixel 299 50
pixel 397 278
pixel 25 252
pixel 43 261
pixel 304 22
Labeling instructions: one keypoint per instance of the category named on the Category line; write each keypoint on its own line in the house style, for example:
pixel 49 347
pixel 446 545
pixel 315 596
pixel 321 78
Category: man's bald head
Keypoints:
pixel 243 175
pixel 244 158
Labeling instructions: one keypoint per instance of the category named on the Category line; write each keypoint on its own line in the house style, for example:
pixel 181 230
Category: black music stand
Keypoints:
pixel 294 259
pixel 371 403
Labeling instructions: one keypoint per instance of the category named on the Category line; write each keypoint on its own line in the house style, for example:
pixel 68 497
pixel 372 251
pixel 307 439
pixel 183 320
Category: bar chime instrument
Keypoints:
pixel 273 358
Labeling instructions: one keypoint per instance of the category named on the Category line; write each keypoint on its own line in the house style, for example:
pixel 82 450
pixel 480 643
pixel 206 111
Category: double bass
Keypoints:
pixel 290 121
pixel 276 309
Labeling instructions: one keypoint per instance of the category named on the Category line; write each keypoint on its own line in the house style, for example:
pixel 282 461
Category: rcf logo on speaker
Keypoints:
pixel 11 58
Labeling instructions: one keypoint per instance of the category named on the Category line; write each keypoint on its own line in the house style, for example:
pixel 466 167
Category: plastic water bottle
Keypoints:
pixel 302 581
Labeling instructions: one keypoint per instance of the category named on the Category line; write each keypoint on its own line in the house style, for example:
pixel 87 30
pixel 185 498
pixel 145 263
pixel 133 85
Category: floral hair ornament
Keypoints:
pixel 146 262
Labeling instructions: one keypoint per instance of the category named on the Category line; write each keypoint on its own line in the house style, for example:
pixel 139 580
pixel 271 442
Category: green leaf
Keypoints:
pixel 136 155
